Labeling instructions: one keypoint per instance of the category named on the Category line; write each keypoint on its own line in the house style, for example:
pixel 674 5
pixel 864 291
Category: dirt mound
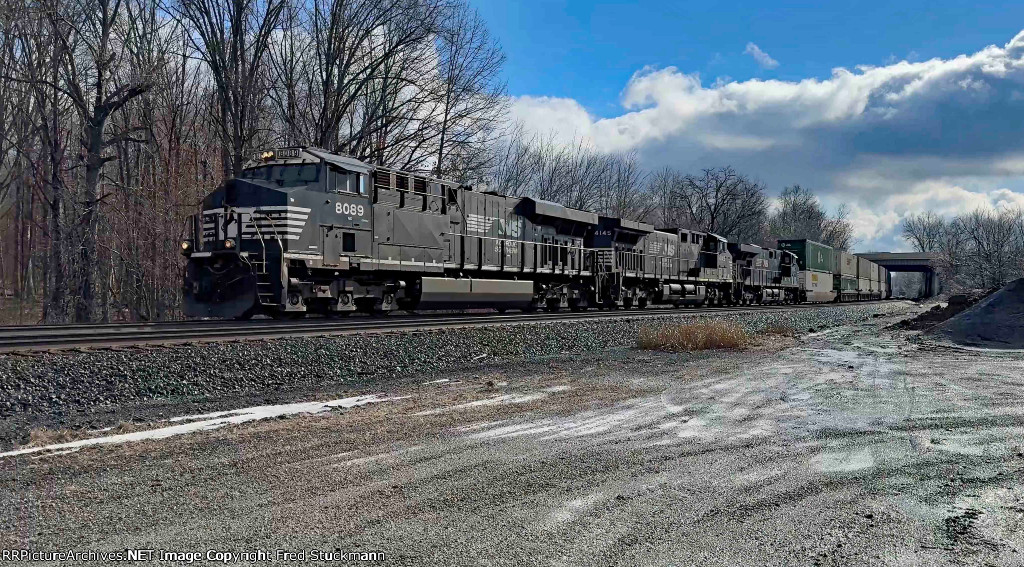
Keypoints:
pixel 996 321
pixel 955 305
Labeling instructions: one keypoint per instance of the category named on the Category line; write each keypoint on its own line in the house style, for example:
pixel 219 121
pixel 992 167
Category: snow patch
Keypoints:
pixel 207 422
pixel 846 461
pixel 497 400
pixel 574 508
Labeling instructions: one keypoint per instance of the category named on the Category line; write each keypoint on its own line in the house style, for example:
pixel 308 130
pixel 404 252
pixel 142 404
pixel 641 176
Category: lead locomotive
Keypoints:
pixel 303 230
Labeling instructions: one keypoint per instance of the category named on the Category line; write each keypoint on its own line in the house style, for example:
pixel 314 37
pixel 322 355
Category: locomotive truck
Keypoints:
pixel 303 230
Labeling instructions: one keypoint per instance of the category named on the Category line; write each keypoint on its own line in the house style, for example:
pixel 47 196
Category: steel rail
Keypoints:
pixel 64 337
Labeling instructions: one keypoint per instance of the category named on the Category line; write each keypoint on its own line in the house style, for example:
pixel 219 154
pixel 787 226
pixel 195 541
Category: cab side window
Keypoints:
pixel 341 181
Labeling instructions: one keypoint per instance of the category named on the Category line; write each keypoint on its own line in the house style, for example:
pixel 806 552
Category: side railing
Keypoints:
pixel 641 264
pixel 542 257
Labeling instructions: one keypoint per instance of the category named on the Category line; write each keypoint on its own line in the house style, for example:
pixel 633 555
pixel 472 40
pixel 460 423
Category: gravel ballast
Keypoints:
pixel 73 388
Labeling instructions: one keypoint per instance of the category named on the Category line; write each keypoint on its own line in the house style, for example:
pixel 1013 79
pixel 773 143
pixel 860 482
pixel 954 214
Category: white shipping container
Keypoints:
pixel 817 285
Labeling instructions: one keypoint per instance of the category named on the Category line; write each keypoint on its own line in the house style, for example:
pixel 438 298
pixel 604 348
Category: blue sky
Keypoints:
pixel 921 113
pixel 588 50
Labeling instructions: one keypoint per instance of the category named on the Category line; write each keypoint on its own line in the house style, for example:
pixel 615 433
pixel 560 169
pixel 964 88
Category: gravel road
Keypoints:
pixel 851 445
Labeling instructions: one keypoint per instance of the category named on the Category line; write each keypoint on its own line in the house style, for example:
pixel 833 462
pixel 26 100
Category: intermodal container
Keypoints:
pixel 864 268
pixel 847 264
pixel 810 255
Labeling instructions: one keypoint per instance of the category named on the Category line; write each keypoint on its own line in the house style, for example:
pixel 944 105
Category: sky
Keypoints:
pixel 889 108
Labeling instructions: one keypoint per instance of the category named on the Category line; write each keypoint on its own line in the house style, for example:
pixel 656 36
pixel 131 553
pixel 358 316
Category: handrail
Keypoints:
pixel 277 236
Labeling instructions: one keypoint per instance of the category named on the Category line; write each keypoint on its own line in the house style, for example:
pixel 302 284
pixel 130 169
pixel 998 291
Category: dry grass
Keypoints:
pixel 702 335
pixel 41 436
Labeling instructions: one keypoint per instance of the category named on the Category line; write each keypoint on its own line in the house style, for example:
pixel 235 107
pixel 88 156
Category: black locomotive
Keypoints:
pixel 303 230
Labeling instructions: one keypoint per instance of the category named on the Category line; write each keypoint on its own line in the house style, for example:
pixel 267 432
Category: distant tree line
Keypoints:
pixel 719 200
pixel 980 249
pixel 118 116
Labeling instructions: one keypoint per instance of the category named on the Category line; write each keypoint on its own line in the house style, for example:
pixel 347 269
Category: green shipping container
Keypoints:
pixel 810 255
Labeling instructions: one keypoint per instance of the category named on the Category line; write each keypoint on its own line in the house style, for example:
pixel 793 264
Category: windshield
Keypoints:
pixel 285 175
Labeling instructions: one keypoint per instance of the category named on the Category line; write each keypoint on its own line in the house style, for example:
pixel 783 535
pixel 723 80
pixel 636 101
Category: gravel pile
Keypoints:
pixel 61 384
pixel 995 322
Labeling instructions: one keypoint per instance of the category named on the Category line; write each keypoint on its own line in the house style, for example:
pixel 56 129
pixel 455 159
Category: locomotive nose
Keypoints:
pixel 246 193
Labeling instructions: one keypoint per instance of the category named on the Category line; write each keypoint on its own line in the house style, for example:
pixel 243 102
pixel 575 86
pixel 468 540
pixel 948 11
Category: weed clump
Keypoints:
pixel 701 335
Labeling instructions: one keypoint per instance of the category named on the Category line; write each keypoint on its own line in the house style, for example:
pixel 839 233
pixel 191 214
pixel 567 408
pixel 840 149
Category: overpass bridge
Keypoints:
pixel 921 262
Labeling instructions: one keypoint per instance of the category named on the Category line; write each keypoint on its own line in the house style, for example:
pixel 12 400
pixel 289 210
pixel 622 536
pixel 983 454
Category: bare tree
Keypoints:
pixel 471 96
pixel 800 215
pixel 924 231
pixel 513 165
pixel 724 202
pixel 993 238
pixel 99 83
pixel 624 192
pixel 233 38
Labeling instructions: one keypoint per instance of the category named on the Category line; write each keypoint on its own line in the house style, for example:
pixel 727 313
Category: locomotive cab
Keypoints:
pixel 289 209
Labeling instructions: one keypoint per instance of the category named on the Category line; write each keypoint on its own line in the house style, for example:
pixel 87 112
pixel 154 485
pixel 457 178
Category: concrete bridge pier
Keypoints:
pixel 932 287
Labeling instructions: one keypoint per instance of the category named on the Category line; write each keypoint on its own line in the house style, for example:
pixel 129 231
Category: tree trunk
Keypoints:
pixel 86 309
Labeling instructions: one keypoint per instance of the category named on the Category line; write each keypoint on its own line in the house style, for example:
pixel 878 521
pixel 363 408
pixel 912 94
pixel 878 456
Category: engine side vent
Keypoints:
pixel 382 180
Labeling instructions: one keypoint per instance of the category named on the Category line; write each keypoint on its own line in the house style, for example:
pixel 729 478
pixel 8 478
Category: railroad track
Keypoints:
pixel 29 338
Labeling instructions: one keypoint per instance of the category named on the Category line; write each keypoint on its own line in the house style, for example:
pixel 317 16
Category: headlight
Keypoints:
pixel 229 244
pixel 186 246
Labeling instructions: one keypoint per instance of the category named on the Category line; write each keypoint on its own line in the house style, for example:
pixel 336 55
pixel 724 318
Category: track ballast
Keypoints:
pixel 36 338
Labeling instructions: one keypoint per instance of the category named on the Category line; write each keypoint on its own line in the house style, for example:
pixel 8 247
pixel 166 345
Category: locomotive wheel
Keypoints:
pixel 408 305
pixel 578 304
pixel 501 310
pixel 552 305
pixel 247 314
pixel 641 303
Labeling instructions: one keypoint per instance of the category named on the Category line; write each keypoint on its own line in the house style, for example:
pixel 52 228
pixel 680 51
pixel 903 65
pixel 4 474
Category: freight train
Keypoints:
pixel 303 230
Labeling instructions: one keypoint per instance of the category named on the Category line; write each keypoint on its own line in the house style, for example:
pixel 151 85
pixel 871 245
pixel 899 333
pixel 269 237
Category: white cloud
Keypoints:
pixel 886 140
pixel 563 118
pixel 762 58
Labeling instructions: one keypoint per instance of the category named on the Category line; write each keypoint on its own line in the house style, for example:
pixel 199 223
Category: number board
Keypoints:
pixel 281 153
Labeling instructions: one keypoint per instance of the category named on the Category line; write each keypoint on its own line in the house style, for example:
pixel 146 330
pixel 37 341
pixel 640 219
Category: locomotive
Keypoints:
pixel 303 230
